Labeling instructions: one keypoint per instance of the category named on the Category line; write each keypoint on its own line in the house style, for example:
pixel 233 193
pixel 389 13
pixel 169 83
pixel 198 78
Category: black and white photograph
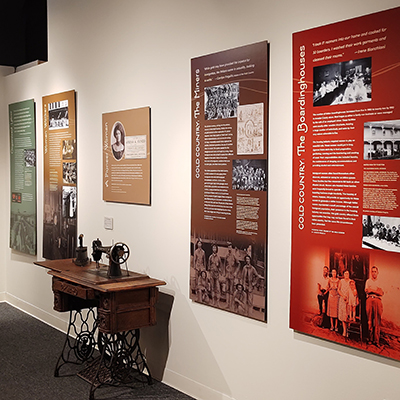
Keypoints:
pixel 250 129
pixel 59 237
pixel 381 233
pixel 69 149
pixel 221 101
pixel 69 173
pixel 52 228
pixel 249 175
pixel 69 201
pixel 382 140
pixel 118 140
pixel 228 275
pixel 23 232
pixel 58 115
pixel 30 157
pixel 342 83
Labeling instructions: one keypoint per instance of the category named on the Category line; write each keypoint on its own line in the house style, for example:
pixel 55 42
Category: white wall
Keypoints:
pixel 4 185
pixel 127 54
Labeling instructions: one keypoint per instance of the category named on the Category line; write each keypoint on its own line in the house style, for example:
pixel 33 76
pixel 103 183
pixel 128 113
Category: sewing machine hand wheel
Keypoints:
pixel 119 253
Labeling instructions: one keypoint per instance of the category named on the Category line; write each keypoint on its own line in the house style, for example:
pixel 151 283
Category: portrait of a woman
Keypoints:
pixel 118 141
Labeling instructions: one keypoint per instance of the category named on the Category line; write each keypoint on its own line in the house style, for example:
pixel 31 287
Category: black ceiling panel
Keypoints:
pixel 23 31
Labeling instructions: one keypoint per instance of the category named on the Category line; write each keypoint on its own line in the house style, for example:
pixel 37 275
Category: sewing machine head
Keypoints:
pixel 117 255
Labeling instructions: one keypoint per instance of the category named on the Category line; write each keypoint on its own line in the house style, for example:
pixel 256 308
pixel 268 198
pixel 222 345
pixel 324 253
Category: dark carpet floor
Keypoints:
pixel 29 350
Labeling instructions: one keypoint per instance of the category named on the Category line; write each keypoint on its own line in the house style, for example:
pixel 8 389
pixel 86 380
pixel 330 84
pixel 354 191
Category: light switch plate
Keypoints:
pixel 108 223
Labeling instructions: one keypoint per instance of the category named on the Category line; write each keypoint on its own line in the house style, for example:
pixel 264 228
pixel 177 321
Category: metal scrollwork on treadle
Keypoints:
pixel 121 362
pixel 122 365
pixel 85 343
pixel 83 326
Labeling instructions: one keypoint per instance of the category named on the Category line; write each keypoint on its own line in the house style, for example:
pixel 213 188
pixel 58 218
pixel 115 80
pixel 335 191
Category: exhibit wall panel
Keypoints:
pixel 131 54
pixel 27 287
pixel 4 189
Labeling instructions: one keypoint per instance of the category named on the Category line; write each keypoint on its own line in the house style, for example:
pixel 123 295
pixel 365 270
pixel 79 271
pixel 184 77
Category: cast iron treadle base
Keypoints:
pixel 93 369
pixel 121 362
pixel 81 349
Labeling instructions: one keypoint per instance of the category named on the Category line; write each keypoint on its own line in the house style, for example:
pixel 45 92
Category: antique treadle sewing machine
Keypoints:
pixel 107 307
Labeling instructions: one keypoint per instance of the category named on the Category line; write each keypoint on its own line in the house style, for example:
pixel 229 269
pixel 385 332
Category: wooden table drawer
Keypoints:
pixel 73 289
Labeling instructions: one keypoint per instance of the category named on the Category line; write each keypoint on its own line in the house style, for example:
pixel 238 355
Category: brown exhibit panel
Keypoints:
pixel 229 210
pixel 127 156
pixel 60 169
